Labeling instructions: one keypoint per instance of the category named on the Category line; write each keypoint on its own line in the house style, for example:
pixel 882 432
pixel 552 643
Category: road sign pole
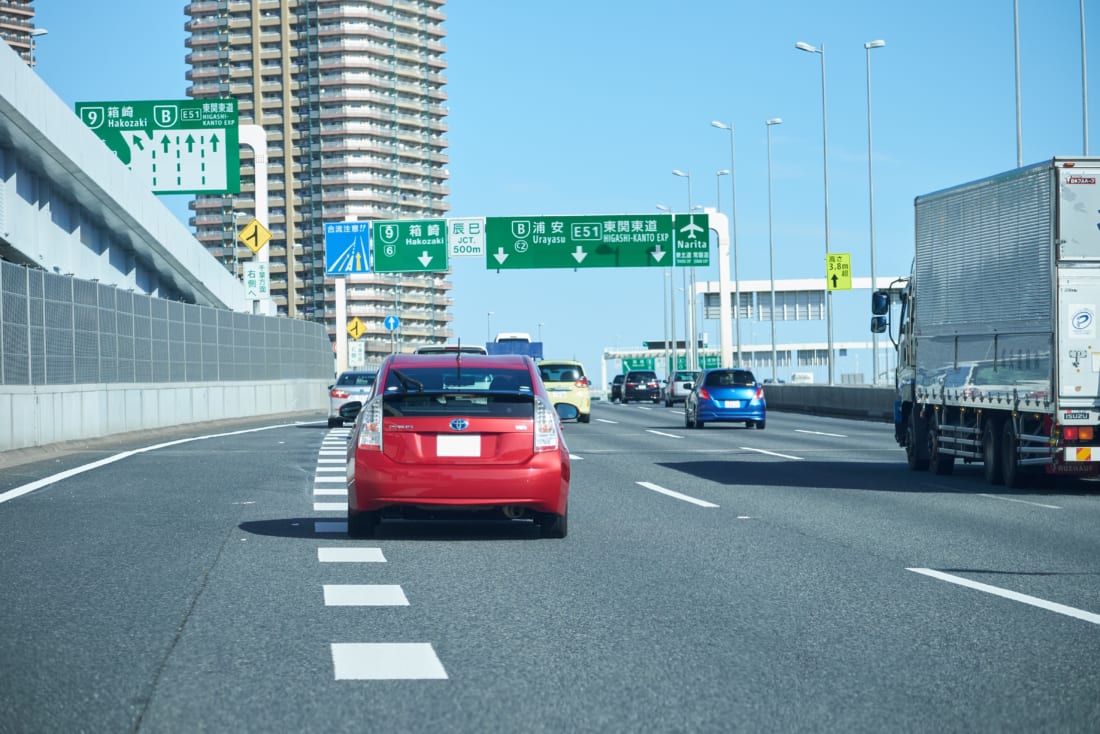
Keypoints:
pixel 341 324
pixel 254 137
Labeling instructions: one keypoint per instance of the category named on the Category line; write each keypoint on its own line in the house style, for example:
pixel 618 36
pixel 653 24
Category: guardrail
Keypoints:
pixel 870 402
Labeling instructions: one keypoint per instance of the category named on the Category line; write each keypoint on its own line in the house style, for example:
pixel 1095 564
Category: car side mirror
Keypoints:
pixel 878 324
pixel 567 412
pixel 348 411
pixel 880 303
pixel 689 386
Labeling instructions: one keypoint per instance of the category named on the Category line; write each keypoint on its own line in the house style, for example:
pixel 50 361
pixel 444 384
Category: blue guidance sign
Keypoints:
pixel 347 248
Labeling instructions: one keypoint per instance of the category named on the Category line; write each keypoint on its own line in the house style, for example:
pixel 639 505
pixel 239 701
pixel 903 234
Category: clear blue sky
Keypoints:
pixel 572 107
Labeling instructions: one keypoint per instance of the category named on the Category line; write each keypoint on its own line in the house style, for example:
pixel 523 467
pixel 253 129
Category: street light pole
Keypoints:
pixel 670 325
pixel 733 215
pixel 489 326
pixel 803 46
pixel 771 240
pixel 34 34
pixel 690 357
pixel 871 189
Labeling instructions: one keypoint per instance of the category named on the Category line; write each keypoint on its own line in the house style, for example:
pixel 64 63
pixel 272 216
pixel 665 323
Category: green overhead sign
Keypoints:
pixel 595 241
pixel 692 240
pixel 409 246
pixel 178 146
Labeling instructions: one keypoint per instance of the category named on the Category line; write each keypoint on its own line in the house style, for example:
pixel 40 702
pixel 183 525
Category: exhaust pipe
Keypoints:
pixel 513 512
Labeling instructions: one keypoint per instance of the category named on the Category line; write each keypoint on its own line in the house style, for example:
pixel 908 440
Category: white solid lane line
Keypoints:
pixel 364 595
pixel 1014 596
pixel 47 481
pixel 350 555
pixel 771 453
pixel 821 433
pixel 677 495
pixel 662 433
pixel 386 661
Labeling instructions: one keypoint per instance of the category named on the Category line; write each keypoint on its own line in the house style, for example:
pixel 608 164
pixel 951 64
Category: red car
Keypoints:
pixel 458 432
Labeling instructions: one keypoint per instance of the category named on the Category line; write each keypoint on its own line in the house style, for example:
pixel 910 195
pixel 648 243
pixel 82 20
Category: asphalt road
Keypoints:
pixel 798 578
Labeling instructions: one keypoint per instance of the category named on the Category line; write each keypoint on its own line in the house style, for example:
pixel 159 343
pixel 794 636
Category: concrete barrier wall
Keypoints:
pixel 849 401
pixel 46 414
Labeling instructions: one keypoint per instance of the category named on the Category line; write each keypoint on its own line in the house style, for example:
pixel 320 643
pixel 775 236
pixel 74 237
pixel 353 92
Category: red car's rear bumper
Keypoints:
pixel 540 484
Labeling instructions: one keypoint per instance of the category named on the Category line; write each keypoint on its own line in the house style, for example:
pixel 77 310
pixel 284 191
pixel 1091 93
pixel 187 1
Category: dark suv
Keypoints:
pixel 617 388
pixel 641 385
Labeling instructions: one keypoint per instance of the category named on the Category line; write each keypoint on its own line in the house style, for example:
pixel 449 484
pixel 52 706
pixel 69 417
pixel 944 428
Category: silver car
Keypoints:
pixel 350 385
pixel 677 389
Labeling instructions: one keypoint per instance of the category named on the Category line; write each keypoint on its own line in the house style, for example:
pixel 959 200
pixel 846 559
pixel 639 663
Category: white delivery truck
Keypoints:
pixel 997 332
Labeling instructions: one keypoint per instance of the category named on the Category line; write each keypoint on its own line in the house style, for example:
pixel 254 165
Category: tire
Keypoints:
pixel 584 418
pixel 363 524
pixel 553 526
pixel 760 425
pixel 668 403
pixel 335 422
pixel 1011 472
pixel 623 400
pixel 687 419
pixel 991 453
pixel 916 441
pixel 938 463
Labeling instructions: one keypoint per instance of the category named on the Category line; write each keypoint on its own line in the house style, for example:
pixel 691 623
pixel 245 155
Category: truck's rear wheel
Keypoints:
pixel 991 453
pixel 916 441
pixel 938 462
pixel 1011 471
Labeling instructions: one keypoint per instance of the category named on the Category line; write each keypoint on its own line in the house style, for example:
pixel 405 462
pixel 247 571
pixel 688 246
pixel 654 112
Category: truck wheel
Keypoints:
pixel 938 463
pixel 1011 471
pixel 916 441
pixel 991 453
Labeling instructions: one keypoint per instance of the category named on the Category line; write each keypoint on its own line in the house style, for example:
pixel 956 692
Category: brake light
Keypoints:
pixel 581 383
pixel 759 393
pixel 546 427
pixel 370 434
pixel 703 393
pixel 1078 433
pixel 339 394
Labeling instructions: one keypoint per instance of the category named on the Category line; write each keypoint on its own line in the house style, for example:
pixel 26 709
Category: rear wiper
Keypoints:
pixel 407 382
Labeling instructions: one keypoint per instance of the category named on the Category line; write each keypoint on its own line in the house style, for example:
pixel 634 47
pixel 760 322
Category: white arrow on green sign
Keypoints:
pixel 409 246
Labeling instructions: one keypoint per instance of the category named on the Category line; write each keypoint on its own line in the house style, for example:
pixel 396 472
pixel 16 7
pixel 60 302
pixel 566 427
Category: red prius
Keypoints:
pixel 443 433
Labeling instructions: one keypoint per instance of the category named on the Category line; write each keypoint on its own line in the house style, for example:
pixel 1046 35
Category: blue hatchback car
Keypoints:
pixel 726 395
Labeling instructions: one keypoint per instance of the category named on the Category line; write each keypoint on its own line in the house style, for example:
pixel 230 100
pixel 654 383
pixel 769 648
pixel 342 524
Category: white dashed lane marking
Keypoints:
pixel 386 661
pixel 330 506
pixel 364 595
pixel 332 492
pixel 350 555
pixel 1013 595
pixel 677 495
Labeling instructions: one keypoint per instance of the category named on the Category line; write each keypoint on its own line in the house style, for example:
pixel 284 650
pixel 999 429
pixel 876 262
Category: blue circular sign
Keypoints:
pixel 391 323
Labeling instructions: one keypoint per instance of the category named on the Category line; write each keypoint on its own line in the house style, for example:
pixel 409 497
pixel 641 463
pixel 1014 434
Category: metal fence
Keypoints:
pixel 60 330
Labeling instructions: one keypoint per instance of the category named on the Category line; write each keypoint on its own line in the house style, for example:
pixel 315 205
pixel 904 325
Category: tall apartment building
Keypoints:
pixel 350 93
pixel 17 27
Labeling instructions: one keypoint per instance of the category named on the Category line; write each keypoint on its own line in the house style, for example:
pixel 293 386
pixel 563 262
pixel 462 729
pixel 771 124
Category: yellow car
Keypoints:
pixel 567 383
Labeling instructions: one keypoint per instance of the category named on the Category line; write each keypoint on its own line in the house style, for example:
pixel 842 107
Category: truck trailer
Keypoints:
pixel 997 326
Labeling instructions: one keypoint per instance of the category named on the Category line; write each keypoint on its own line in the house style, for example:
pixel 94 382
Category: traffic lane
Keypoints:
pixel 917 541
pixel 875 504
pixel 107 566
pixel 22 466
pixel 747 620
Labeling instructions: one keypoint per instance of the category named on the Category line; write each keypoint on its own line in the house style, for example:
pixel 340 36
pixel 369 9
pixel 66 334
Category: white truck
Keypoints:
pixel 998 338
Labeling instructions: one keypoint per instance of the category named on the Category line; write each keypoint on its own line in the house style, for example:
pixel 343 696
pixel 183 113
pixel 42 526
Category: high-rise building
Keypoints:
pixel 350 94
pixel 17 27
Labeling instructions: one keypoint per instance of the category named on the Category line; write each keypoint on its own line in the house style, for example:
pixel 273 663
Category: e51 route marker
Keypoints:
pixel 409 246
pixel 587 241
